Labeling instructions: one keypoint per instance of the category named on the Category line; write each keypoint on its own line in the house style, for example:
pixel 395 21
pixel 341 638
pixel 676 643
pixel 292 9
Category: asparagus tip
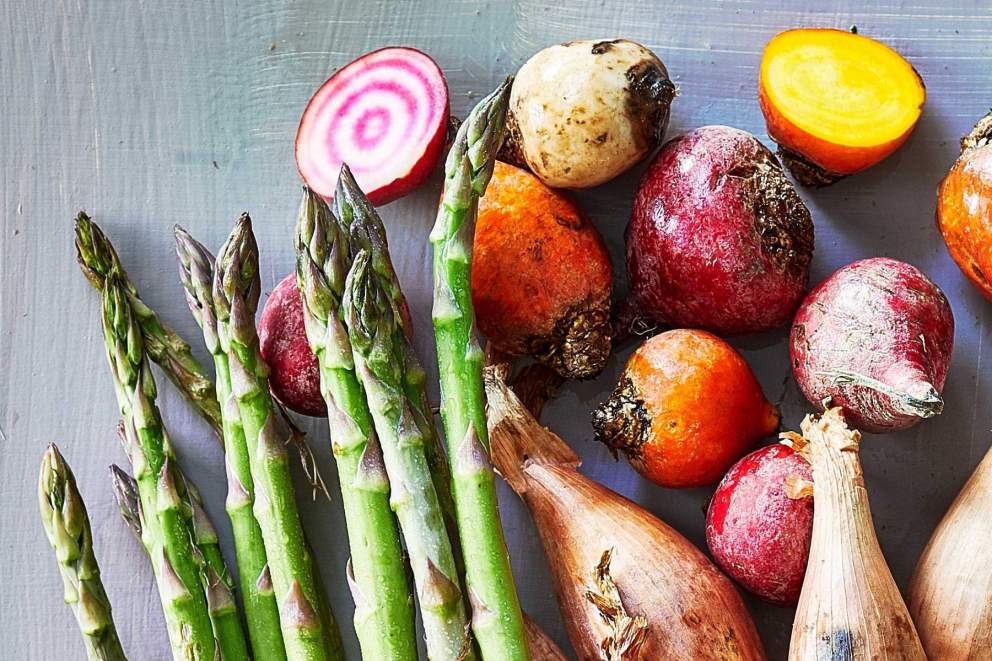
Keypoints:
pixel 53 470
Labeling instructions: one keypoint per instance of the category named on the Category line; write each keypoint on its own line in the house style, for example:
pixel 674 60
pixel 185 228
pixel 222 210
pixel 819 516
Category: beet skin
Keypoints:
pixel 718 239
pixel 875 338
pixel 294 376
pixel 759 523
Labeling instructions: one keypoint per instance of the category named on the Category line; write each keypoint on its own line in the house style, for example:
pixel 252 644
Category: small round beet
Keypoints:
pixel 718 238
pixel 875 338
pixel 541 276
pixel 760 521
pixel 686 407
pixel 294 376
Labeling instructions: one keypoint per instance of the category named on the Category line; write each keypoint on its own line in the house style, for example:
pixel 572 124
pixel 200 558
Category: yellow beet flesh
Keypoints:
pixel 841 100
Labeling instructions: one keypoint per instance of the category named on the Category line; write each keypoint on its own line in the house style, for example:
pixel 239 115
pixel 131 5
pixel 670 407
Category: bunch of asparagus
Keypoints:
pixel 307 630
pixel 394 475
pixel 193 583
pixel 358 326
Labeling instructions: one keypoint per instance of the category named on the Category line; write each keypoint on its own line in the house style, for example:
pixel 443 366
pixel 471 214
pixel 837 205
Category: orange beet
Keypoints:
pixel 541 276
pixel 964 207
pixel 687 407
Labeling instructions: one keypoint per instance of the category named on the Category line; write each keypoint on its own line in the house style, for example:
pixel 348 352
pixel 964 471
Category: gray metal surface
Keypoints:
pixel 153 113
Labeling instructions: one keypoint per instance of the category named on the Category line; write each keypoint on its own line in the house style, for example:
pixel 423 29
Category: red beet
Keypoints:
pixel 385 115
pixel 294 376
pixel 759 523
pixel 875 338
pixel 718 238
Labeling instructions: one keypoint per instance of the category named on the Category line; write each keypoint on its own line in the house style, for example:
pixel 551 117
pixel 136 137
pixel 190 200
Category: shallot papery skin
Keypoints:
pixel 850 606
pixel 625 581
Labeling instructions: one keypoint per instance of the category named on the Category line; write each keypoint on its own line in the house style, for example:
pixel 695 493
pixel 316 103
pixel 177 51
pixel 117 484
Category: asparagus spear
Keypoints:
pixel 496 617
pixel 126 495
pixel 68 528
pixel 215 577
pixel 165 529
pixel 384 617
pixel 217 582
pixel 368 233
pixel 299 595
pixel 261 611
pixel 377 346
pixel 97 258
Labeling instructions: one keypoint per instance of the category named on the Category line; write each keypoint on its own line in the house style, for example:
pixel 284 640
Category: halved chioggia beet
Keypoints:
pixel 385 115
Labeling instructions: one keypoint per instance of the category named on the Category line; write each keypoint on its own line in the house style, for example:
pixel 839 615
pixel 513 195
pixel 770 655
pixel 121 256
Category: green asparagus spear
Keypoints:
pixel 126 495
pixel 384 617
pixel 214 575
pixel 366 232
pixel 165 533
pixel 236 289
pixel 97 258
pixel 261 611
pixel 496 617
pixel 217 582
pixel 68 528
pixel 377 346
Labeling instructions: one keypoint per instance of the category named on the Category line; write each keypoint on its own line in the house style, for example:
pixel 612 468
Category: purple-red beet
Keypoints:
pixel 759 523
pixel 294 376
pixel 875 338
pixel 718 239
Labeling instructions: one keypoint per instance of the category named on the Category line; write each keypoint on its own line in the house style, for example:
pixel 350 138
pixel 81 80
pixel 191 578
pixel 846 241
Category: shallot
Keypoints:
pixel 628 585
pixel 850 606
pixel 950 595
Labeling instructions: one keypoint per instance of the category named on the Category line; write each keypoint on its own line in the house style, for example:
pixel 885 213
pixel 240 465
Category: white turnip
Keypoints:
pixel 582 112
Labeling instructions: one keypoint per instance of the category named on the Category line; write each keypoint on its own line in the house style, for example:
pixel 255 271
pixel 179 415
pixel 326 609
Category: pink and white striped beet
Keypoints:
pixel 874 338
pixel 385 115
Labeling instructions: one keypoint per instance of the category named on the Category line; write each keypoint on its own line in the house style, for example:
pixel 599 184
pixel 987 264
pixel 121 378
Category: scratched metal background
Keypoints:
pixel 153 113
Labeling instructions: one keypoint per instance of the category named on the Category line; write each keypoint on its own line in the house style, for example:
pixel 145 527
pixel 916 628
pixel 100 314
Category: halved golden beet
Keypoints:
pixel 836 102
